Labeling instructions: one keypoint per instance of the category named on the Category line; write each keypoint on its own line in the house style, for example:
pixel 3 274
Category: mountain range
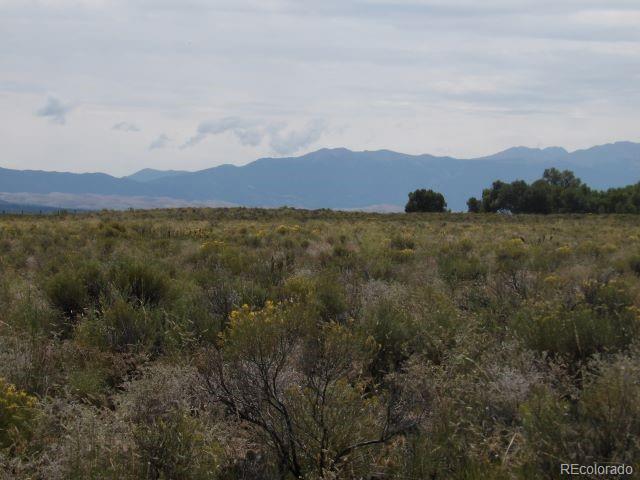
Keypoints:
pixel 328 178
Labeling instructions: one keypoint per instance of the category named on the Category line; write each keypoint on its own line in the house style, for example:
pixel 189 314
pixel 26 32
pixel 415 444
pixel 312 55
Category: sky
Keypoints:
pixel 120 85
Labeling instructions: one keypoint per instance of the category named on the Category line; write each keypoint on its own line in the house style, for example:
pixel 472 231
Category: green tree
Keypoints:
pixel 425 201
pixel 474 205
pixel 564 179
pixel 492 197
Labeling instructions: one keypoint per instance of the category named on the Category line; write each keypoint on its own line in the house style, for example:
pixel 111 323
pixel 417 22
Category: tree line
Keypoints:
pixel 556 192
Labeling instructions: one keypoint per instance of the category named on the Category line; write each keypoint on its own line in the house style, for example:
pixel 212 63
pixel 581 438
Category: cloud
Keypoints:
pixel 55 111
pixel 125 127
pixel 294 140
pixel 247 132
pixel 159 143
pixel 252 133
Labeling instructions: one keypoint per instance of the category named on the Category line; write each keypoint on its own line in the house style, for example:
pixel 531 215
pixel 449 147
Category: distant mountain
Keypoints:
pixel 340 178
pixel 37 181
pixel 149 174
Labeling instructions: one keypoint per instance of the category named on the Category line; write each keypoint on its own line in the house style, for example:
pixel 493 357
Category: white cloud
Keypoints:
pixel 252 133
pixel 247 132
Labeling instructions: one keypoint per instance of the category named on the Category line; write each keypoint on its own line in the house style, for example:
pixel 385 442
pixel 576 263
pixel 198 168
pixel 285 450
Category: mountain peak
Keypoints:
pixel 529 154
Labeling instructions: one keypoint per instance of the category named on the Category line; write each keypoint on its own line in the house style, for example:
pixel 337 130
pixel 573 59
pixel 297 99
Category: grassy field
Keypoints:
pixel 257 344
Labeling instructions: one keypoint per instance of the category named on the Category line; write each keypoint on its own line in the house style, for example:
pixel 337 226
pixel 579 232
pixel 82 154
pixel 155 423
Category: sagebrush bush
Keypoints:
pixel 68 293
pixel 142 283
pixel 330 298
pixel 393 331
pixel 128 328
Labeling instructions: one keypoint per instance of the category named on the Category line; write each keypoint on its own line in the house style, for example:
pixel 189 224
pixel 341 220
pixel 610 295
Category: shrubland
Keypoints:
pixel 256 344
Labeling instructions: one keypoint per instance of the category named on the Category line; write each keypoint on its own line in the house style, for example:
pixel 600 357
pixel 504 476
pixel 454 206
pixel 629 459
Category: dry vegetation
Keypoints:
pixel 253 344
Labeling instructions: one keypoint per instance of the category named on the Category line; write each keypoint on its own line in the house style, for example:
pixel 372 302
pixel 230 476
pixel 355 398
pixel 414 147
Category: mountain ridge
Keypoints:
pixel 342 179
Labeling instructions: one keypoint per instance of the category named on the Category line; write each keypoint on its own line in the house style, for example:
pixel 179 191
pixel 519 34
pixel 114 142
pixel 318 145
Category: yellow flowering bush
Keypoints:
pixel 403 255
pixel 259 332
pixel 17 409
pixel 285 229
pixel 564 251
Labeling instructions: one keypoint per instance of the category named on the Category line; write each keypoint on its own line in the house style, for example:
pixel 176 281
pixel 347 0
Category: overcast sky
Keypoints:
pixel 118 85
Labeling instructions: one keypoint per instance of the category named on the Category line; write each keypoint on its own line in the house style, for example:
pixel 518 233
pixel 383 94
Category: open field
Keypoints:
pixel 250 344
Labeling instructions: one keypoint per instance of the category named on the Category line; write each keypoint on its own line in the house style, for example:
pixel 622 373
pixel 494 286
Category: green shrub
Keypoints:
pixel 67 292
pixel 95 282
pixel 130 328
pixel 456 270
pixel 142 283
pixel 331 299
pixel 393 333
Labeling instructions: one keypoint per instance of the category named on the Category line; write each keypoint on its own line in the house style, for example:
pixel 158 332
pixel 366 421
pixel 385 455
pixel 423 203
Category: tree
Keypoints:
pixel 539 198
pixel 425 201
pixel 556 192
pixel 564 179
pixel 490 197
pixel 474 205
pixel 516 193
